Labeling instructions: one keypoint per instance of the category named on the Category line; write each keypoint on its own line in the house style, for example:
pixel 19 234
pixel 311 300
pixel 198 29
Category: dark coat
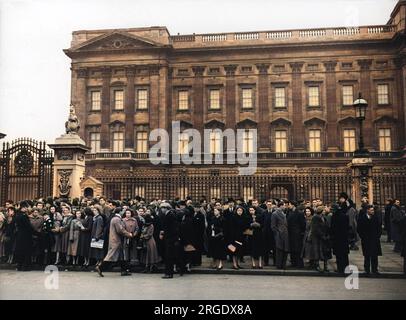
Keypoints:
pixel 257 239
pixel 217 246
pixel 370 231
pixel 396 215
pixel 188 235
pixel 296 228
pixel 97 233
pixel 10 236
pixel 199 225
pixel 313 242
pixel 403 235
pixel 280 230
pixel 171 239
pixel 86 237
pixel 340 228
pixel 24 235
pixel 269 239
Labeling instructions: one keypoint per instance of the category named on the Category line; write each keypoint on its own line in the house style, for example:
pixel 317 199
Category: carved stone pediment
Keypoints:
pixel 115 41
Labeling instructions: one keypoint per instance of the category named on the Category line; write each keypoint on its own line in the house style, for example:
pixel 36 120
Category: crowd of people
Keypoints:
pixel 99 233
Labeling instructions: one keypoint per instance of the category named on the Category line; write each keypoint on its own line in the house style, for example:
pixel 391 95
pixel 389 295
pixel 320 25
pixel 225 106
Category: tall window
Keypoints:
pixel 383 93
pixel 348 95
pixel 314 97
pixel 118 141
pixel 118 99
pixel 95 142
pixel 142 142
pixel 142 99
pixel 248 142
pixel 349 140
pixel 248 193
pixel 315 140
pixel 385 141
pixel 215 142
pixel 183 100
pixel 280 99
pixel 214 99
pixel 183 147
pixel 281 141
pixel 95 98
pixel 247 98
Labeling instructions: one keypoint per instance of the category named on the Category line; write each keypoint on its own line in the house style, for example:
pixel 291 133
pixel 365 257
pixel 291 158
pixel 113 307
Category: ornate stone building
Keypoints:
pixel 296 87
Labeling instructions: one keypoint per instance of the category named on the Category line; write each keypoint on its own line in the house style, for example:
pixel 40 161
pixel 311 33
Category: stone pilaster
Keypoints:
pixel 297 115
pixel 263 107
pixel 331 107
pixel 129 108
pixel 105 109
pixel 365 88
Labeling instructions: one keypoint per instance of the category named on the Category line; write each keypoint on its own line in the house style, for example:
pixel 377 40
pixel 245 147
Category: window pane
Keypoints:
pixel 385 141
pixel 118 141
pixel 314 140
pixel 349 140
pixel 247 98
pixel 348 95
pixel 142 142
pixel 95 142
pixel 280 101
pixel 95 100
pixel 118 99
pixel 142 99
pixel 183 147
pixel 214 142
pixel 215 99
pixel 248 142
pixel 281 141
pixel 183 100
pixel 314 96
pixel 383 94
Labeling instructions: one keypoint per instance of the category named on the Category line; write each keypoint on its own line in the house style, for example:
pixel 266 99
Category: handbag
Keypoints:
pixel 232 248
pixel 97 244
pixel 248 232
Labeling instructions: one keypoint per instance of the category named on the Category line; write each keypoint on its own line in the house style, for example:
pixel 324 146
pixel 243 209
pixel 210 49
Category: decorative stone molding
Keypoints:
pixel 64 183
pixel 65 154
pixel 82 72
pixel 330 66
pixel 263 68
pixel 365 64
pixel 296 66
pixel 230 69
pixel 198 70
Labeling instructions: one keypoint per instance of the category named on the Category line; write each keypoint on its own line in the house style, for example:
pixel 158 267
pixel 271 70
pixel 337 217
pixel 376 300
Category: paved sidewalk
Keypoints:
pixel 390 266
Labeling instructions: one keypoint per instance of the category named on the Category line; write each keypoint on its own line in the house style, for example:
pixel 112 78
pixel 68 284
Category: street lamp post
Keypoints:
pixel 361 106
pixel 361 163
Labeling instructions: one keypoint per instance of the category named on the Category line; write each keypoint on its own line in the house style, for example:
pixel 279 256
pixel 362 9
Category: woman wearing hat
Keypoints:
pixel 150 256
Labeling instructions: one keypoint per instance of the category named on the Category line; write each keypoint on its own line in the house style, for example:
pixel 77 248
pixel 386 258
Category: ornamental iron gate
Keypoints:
pixel 26 170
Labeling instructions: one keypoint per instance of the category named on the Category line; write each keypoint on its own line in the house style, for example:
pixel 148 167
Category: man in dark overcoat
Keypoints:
pixel 370 230
pixel 24 242
pixel 171 239
pixel 340 228
pixel 296 229
pixel 279 227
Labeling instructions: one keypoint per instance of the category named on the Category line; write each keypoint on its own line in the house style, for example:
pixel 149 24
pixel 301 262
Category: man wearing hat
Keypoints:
pixel 23 250
pixel 170 236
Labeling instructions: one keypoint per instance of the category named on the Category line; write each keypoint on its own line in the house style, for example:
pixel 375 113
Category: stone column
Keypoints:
pixel 198 95
pixel 105 110
pixel 231 107
pixel 297 117
pixel 362 180
pixel 400 63
pixel 263 108
pixel 129 109
pixel 79 97
pixel 332 133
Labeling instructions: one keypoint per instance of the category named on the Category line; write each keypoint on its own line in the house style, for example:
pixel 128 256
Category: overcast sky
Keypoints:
pixel 35 73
